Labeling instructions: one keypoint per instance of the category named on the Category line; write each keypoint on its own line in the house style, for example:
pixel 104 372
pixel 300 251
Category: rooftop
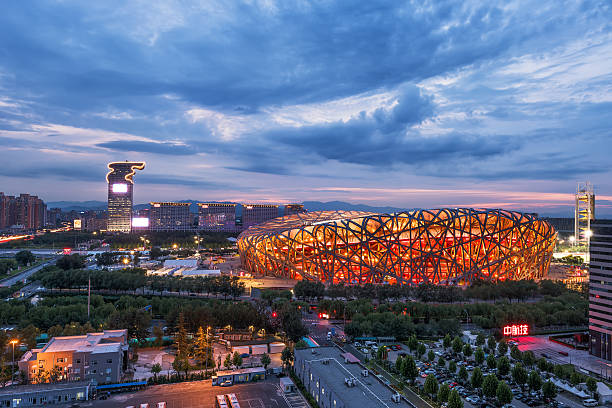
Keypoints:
pixel 369 392
pixel 104 342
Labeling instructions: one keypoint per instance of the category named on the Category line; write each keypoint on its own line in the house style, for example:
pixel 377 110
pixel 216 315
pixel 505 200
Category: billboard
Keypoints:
pixel 120 188
pixel 77 225
pixel 140 222
pixel 516 330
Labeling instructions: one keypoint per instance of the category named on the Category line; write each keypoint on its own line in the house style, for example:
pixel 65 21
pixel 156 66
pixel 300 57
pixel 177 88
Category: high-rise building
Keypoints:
pixel 584 213
pixel 253 214
pixel 121 194
pixel 217 217
pixel 290 209
pixel 25 212
pixel 170 217
pixel 600 289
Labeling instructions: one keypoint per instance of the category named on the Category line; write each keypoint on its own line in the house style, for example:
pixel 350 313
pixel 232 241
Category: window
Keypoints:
pixel 78 361
pixel 61 360
pixel 93 371
pixel 94 362
pixel 108 370
pixel 108 379
pixel 109 361
pixel 41 363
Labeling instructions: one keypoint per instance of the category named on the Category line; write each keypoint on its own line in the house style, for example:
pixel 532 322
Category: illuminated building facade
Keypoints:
pixel 121 194
pixel 170 217
pixel 440 246
pixel 253 214
pixel 600 289
pixel 217 217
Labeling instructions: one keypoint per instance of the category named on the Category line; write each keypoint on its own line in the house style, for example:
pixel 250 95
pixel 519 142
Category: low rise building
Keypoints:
pixel 96 357
pixel 336 380
pixel 44 394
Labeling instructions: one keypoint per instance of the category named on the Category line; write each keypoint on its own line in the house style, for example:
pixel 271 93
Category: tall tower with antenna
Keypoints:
pixel 584 213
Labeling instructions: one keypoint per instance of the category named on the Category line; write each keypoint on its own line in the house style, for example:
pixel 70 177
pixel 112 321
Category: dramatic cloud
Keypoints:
pixel 276 99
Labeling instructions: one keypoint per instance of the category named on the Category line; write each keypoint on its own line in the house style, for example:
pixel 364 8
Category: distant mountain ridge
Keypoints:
pixel 344 206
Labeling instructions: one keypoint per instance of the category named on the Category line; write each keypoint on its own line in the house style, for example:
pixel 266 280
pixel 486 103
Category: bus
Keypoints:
pixel 221 402
pixel 233 401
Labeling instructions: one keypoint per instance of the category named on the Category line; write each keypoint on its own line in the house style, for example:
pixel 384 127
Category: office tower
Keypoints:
pixel 170 217
pixel 600 289
pixel 217 217
pixel 584 213
pixel 25 212
pixel 253 214
pixel 290 209
pixel 121 194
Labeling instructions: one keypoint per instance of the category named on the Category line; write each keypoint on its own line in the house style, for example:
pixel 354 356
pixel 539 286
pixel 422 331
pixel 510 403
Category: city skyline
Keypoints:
pixel 464 105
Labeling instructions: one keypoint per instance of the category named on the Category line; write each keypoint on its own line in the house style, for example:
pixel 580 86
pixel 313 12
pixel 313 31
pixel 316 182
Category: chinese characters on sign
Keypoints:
pixel 516 330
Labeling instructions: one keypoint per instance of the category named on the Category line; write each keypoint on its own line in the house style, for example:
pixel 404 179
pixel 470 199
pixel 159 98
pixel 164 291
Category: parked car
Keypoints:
pixel 590 402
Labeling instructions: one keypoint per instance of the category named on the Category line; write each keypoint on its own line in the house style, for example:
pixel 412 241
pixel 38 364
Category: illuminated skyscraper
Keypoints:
pixel 121 194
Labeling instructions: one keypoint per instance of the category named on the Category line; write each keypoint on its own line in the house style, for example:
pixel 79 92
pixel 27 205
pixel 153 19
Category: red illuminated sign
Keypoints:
pixel 516 330
pixel 67 251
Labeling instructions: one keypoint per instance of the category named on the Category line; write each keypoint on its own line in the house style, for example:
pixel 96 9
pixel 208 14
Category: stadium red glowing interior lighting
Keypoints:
pixel 516 330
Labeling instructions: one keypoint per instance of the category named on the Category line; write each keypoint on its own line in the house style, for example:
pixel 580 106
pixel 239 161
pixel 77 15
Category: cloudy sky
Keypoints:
pixel 409 104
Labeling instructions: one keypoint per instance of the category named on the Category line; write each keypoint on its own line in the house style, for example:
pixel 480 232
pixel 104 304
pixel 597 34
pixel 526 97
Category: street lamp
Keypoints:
pixel 13 342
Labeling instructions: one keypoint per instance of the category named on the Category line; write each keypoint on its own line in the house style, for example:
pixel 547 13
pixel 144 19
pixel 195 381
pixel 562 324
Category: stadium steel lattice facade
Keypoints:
pixel 440 246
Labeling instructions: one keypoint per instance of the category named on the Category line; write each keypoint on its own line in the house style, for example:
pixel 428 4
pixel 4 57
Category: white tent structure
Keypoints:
pixel 567 387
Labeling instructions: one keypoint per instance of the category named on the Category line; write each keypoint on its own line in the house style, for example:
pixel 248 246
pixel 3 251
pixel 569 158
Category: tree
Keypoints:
pixel 515 353
pixel 504 393
pixel 591 384
pixel 431 356
pixel 447 341
pixel 454 400
pixel 489 385
pixel 265 360
pixel 287 357
pixel 480 340
pixel 156 369
pixel 467 350
pixel 519 374
pixel 68 262
pixel 443 393
pixel 491 343
pixel 181 364
pixel 441 361
pixel 503 366
pixel 477 378
pixel 203 351
pixel 413 343
pixel 502 348
pixel 452 366
pixel 479 356
pixel 409 369
pixel 24 257
pixel 227 363
pixel 542 364
pixel 457 345
pixel 291 322
pixel 55 374
pixel 431 385
pixel 529 359
pixel 158 333
pixel 237 359
pixel 534 381
pixel 420 350
pixel 549 390
pixel 491 362
pixel 181 337
pixel 463 374
pixel 155 253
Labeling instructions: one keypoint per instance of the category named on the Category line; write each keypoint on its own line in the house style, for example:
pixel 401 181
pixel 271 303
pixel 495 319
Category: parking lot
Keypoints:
pixel 200 394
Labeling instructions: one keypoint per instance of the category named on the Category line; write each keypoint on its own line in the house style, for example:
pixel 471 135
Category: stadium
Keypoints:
pixel 449 246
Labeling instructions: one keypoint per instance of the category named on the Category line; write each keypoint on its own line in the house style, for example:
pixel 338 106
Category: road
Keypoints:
pixel 198 394
pixel 25 274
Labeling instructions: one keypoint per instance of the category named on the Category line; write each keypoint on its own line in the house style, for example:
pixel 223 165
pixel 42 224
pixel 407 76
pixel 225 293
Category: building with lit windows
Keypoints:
pixel 170 217
pixel 121 194
pixel 439 246
pixel 290 209
pixel 253 214
pixel 24 212
pixel 217 217
pixel 600 289
pixel 98 357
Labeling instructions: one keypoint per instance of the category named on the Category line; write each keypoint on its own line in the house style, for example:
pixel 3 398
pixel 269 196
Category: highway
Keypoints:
pixel 25 274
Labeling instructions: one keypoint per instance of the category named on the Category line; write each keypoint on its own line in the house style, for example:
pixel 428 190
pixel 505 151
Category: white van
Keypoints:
pixel 590 402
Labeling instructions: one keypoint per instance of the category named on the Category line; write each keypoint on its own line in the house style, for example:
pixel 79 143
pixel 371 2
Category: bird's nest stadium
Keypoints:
pixel 440 246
